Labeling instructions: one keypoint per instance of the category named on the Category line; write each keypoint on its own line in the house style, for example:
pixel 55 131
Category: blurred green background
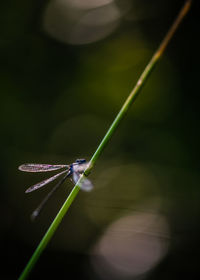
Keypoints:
pixel 66 69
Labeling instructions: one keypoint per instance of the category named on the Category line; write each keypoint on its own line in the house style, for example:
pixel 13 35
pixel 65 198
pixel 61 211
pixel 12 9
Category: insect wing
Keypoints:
pixel 44 182
pixel 86 185
pixel 34 167
pixel 80 168
pixel 44 201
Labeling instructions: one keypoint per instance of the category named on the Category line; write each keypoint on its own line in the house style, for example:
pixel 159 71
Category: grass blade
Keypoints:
pixel 134 93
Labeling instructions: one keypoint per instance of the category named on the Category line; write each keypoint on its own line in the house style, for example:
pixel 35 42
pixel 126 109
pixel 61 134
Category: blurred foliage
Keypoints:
pixel 58 100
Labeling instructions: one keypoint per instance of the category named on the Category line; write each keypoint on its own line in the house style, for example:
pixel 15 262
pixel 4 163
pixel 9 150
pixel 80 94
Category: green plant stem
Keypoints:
pixel 134 93
pixel 47 237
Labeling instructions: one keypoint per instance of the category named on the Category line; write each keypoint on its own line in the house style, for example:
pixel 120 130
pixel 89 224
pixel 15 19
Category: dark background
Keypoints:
pixel 61 87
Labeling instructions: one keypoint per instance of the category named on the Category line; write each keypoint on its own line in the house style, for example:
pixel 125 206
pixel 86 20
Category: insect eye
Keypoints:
pixel 81 160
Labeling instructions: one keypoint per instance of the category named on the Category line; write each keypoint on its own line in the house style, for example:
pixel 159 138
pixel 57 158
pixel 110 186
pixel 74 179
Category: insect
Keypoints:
pixel 73 170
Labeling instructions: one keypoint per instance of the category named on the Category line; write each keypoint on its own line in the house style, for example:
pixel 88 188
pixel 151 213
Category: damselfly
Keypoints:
pixel 73 170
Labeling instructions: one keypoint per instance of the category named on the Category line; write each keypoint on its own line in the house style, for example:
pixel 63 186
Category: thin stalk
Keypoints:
pixel 132 96
pixel 47 237
pixel 134 93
